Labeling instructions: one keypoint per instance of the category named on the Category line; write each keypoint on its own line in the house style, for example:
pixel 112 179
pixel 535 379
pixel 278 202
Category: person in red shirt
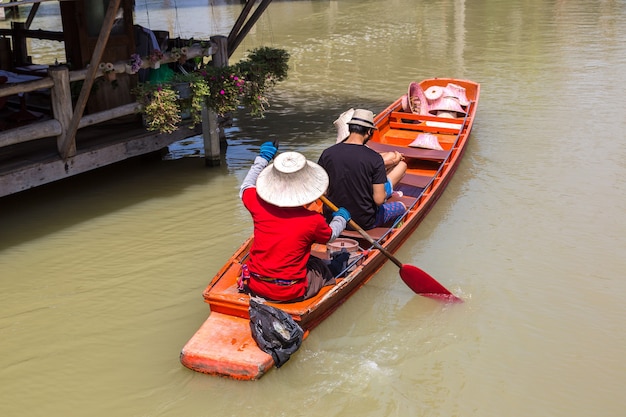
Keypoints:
pixel 280 266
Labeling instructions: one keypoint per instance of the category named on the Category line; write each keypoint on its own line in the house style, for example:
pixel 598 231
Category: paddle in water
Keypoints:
pixel 416 279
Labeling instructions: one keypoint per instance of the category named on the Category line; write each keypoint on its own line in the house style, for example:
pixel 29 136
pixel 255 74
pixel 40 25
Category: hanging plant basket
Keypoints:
pixel 183 90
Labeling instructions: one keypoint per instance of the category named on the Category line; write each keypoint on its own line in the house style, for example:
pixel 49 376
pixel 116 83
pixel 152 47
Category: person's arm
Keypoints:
pixel 256 168
pixel 340 219
pixel 380 195
pixel 267 152
pixel 391 159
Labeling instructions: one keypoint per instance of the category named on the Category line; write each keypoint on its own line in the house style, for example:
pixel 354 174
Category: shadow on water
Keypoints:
pixel 44 210
pixel 303 123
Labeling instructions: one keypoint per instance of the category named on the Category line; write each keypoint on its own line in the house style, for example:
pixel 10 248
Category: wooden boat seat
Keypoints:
pixel 425 123
pixel 428 127
pixel 376 233
pixel 420 181
pixel 416 153
pixel 420 118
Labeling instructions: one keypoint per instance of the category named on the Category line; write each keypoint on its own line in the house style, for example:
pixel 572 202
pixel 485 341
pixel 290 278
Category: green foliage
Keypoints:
pixel 160 107
pixel 221 89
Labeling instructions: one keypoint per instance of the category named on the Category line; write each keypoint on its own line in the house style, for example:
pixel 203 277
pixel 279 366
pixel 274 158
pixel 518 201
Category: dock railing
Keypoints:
pixel 58 81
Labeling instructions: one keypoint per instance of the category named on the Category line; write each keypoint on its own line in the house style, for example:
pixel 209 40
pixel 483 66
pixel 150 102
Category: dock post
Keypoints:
pixel 20 50
pixel 211 136
pixel 210 128
pixel 61 98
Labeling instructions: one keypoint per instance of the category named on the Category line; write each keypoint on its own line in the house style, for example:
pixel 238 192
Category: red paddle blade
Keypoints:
pixel 423 284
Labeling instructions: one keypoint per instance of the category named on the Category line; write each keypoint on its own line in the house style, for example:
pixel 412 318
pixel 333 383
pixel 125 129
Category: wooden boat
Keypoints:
pixel 224 345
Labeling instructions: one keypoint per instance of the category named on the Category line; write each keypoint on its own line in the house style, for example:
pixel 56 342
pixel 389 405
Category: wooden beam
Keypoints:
pixel 248 26
pixel 23 2
pixel 31 15
pixel 69 142
pixel 30 132
pixel 240 21
pixel 53 168
pixel 25 87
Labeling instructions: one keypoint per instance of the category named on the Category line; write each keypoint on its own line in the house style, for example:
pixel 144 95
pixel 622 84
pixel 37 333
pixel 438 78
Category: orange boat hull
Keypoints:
pixel 224 346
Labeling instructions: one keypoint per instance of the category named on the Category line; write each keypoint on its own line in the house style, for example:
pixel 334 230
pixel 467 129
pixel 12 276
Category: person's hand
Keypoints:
pixel 267 151
pixel 342 212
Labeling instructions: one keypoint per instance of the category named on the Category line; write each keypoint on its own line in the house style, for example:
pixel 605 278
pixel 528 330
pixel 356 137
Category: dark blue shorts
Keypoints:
pixel 388 212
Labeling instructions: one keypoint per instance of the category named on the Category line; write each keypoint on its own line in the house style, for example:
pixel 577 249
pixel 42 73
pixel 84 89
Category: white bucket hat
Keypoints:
pixel 363 118
pixel 342 124
pixel 291 181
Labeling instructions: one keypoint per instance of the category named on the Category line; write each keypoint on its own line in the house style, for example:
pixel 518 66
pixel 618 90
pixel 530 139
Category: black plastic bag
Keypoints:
pixel 274 331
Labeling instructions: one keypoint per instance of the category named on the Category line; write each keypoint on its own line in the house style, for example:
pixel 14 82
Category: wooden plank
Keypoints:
pixel 23 2
pixel 416 153
pixel 30 132
pixel 69 142
pixel 399 116
pixel 376 233
pixel 234 32
pixel 432 127
pixel 408 201
pixel 419 181
pixel 31 15
pixel 232 46
pixel 54 168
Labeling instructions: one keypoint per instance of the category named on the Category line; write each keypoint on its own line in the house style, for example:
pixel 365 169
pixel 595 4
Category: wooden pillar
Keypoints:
pixel 20 50
pixel 211 137
pixel 210 128
pixel 61 97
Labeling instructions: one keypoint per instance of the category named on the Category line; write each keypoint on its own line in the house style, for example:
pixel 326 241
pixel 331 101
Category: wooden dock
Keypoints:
pixel 72 135
pixel 34 163
pixel 38 151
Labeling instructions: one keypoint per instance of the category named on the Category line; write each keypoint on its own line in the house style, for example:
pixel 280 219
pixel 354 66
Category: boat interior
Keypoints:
pixel 397 129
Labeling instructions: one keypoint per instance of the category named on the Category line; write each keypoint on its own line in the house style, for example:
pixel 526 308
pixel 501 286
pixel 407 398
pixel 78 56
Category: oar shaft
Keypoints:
pixel 364 233
pixel 416 279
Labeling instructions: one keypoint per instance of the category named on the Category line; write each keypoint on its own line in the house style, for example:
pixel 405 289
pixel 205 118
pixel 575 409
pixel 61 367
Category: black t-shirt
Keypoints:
pixel 352 170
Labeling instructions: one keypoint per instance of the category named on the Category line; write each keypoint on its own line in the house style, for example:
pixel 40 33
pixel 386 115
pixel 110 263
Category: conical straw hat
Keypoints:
pixel 455 90
pixel 342 124
pixel 291 181
pixel 433 92
pixel 417 100
pixel 447 104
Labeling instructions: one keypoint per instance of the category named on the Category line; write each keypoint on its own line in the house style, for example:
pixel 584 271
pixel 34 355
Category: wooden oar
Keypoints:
pixel 417 280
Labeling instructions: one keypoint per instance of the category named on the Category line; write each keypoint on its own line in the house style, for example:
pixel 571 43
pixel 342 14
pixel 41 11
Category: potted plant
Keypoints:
pixel 262 69
pixel 192 90
pixel 225 87
pixel 247 82
pixel 221 89
pixel 161 110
